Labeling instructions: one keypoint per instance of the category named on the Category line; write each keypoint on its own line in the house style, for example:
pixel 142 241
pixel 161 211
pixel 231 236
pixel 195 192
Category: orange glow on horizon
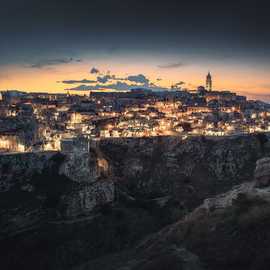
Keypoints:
pixel 47 79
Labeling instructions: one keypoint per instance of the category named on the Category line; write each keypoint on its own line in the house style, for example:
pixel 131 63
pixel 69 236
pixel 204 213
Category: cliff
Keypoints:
pixel 227 232
pixel 189 170
pixel 66 208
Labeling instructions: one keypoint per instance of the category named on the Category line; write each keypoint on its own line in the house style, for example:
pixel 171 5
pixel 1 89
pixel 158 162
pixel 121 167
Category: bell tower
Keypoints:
pixel 209 82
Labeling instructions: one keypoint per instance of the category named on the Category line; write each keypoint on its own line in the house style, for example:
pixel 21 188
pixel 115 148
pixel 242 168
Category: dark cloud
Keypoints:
pixel 36 28
pixel 105 78
pixel 53 62
pixel 94 70
pixel 178 84
pixel 140 78
pixel 172 65
pixel 78 81
pixel 118 83
pixel 118 86
pixel 82 87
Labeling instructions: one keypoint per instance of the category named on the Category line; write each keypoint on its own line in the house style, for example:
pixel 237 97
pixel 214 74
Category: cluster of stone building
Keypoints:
pixel 44 121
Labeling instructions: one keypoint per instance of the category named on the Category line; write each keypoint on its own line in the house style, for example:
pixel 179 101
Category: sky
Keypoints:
pixel 54 45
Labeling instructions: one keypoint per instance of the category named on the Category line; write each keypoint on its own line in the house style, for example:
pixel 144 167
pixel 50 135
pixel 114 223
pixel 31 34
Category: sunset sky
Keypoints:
pixel 45 44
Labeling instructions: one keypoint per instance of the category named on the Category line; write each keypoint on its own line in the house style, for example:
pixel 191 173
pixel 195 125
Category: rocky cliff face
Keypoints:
pixel 227 232
pixel 93 188
pixel 19 168
pixel 84 198
pixel 188 171
pixel 221 159
pixel 68 208
pixel 38 187
pixel 80 167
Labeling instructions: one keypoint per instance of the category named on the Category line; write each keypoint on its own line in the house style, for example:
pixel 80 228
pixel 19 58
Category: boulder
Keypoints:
pixel 262 172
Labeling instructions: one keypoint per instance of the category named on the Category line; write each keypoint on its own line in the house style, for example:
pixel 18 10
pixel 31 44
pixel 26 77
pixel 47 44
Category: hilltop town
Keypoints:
pixel 44 121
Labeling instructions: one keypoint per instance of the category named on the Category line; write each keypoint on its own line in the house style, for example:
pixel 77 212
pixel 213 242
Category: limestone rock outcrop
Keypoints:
pixel 15 168
pixel 228 231
pixel 80 167
pixel 262 172
pixel 158 167
pixel 84 198
pixel 60 210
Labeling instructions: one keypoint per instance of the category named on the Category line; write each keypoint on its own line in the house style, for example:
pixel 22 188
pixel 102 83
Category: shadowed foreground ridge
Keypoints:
pixel 139 204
